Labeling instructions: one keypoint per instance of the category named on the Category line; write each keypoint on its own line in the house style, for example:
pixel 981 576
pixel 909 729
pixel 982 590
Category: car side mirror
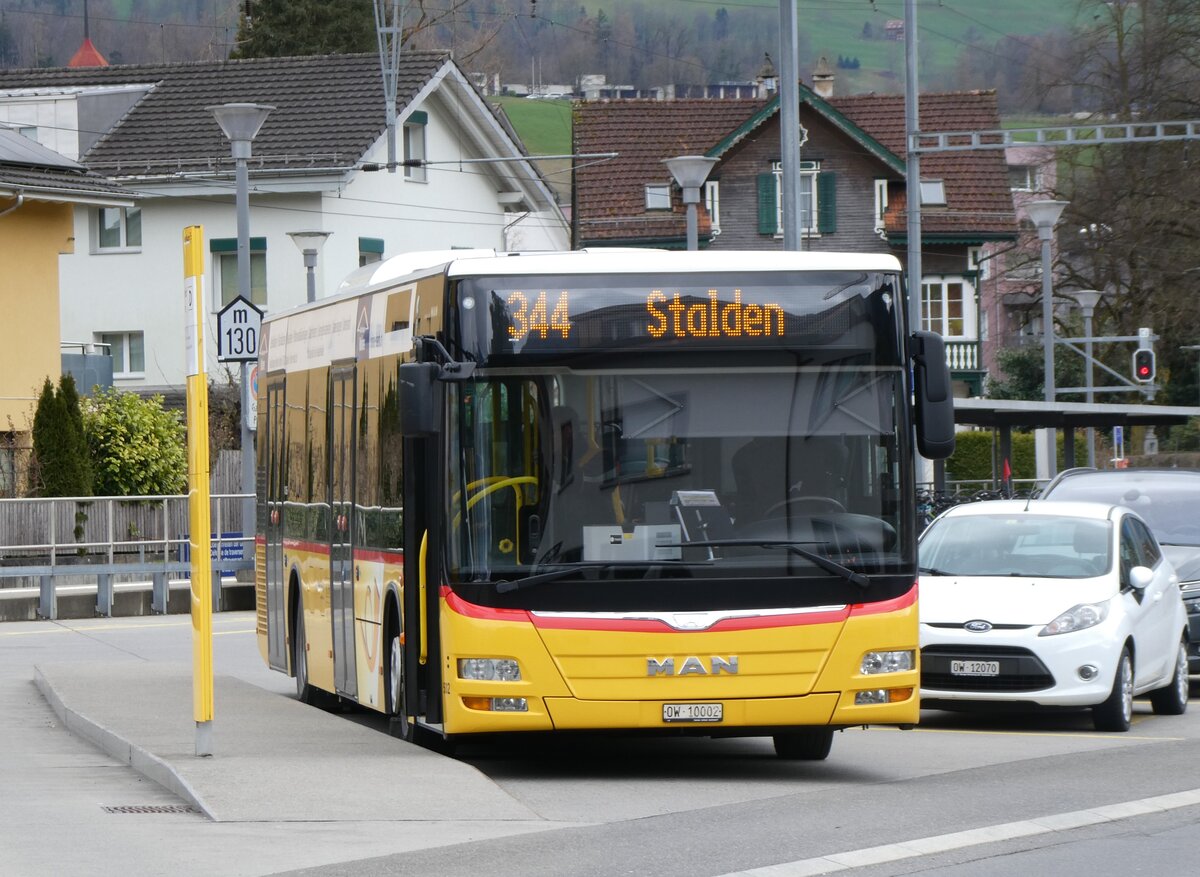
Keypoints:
pixel 1140 577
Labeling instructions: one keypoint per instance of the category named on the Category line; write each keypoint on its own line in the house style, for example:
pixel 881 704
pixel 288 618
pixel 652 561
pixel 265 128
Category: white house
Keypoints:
pixel 318 162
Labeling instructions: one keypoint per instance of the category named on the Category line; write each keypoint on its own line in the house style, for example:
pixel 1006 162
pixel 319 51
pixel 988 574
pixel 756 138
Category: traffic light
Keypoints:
pixel 1143 366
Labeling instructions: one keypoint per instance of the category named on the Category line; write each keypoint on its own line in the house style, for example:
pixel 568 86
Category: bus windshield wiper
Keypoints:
pixel 505 586
pixel 854 578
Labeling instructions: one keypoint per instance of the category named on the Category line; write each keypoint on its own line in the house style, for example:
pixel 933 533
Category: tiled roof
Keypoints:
pixel 610 200
pixel 30 169
pixel 58 185
pixel 611 194
pixel 328 109
pixel 978 197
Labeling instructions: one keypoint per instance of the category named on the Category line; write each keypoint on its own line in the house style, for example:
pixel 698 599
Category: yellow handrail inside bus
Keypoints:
pixel 515 483
pixel 424 656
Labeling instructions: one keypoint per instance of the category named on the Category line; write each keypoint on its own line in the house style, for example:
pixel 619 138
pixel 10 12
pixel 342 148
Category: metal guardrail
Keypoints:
pixel 52 539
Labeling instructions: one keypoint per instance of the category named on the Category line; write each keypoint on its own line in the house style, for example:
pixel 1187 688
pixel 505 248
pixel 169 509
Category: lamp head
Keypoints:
pixel 240 122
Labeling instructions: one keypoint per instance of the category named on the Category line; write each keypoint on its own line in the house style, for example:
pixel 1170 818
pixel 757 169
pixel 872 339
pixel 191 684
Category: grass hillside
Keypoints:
pixel 545 128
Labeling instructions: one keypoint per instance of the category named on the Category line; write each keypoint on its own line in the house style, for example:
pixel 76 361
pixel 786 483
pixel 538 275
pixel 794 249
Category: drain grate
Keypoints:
pixel 149 808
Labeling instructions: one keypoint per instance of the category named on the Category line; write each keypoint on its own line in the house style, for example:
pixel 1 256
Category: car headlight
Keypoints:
pixel 1079 617
pixel 887 662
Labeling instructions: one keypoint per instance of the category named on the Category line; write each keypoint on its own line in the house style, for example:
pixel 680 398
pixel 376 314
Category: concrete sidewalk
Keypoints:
pixel 275 759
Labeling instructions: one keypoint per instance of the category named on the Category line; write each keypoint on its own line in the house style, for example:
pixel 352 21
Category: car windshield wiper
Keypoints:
pixel 930 571
pixel 854 578
pixel 504 586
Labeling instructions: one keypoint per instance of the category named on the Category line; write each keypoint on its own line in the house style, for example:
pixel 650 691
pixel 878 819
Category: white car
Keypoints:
pixel 1058 604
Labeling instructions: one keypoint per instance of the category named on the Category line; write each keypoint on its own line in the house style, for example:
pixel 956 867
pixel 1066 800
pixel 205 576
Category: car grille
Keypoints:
pixel 1020 669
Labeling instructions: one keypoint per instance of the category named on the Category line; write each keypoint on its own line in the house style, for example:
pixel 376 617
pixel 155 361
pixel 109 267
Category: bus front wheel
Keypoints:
pixel 804 744
pixel 398 723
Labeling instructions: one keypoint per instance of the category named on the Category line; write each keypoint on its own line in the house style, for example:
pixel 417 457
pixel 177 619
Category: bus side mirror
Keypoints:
pixel 934 402
pixel 416 410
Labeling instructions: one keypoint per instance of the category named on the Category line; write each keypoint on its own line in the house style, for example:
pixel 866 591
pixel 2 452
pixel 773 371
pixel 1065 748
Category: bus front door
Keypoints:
pixel 275 472
pixel 341 548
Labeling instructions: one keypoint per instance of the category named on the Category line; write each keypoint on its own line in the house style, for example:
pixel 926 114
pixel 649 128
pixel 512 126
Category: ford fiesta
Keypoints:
pixel 1038 603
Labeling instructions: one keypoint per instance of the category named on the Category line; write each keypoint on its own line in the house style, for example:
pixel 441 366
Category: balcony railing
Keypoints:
pixel 962 355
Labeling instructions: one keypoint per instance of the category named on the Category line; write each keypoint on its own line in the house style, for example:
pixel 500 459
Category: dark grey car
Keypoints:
pixel 1169 501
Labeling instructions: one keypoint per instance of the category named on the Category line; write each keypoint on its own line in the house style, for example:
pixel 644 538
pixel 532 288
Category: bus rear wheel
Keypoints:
pixel 398 723
pixel 804 744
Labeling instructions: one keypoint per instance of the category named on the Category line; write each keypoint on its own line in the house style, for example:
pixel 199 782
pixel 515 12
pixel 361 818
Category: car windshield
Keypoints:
pixel 1165 501
pixel 1017 545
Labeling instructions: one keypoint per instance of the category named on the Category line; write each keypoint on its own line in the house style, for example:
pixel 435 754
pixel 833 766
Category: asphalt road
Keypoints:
pixel 621 806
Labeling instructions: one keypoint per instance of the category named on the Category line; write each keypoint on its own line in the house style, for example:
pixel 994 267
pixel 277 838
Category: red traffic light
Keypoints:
pixel 1143 366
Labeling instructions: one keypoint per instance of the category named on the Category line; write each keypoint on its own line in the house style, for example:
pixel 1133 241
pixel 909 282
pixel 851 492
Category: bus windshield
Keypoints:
pixel 698 472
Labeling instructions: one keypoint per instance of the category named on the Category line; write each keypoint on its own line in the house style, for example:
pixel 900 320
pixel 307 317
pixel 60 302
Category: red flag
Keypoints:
pixel 1007 470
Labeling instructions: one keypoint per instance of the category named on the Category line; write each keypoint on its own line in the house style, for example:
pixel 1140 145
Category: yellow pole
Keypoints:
pixel 198 493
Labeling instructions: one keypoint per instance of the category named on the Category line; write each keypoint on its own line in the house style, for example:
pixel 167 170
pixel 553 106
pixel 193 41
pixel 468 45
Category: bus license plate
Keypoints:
pixel 975 668
pixel 693 712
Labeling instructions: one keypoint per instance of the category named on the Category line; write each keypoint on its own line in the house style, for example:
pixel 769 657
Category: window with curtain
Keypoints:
pixel 118 228
pixel 128 351
pixel 948 307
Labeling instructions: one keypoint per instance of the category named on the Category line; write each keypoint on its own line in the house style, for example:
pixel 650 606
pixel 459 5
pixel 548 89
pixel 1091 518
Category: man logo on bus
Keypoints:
pixel 692 666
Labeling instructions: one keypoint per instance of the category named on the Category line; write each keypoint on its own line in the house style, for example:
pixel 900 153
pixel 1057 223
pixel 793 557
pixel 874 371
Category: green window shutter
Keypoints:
pixel 767 222
pixel 826 203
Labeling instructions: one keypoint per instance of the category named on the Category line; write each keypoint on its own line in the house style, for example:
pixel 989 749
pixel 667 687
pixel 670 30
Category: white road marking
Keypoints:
pixel 958 840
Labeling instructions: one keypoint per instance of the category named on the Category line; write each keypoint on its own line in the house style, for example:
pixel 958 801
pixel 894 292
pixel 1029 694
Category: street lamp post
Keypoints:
pixel 1087 300
pixel 240 123
pixel 690 172
pixel 309 243
pixel 1045 214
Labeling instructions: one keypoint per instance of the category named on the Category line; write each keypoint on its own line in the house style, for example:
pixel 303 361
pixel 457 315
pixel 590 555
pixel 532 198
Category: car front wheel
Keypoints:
pixel 1173 699
pixel 1116 712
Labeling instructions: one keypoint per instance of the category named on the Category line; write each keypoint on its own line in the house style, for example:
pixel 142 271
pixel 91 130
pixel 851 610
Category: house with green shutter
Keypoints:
pixel 852 180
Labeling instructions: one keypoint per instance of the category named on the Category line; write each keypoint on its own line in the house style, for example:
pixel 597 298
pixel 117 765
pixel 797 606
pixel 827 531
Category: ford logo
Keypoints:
pixel 978 626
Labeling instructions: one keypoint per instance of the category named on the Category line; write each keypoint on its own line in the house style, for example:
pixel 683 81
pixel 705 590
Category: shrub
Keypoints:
pixel 63 466
pixel 138 448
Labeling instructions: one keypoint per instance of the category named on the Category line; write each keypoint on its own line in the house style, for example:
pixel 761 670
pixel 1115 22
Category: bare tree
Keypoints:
pixel 1132 228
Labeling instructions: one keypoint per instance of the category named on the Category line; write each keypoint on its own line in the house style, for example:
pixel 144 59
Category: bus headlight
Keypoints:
pixel 887 662
pixel 489 669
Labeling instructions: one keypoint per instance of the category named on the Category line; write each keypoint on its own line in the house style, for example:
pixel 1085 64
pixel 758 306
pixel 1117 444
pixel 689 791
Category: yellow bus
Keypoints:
pixel 626 490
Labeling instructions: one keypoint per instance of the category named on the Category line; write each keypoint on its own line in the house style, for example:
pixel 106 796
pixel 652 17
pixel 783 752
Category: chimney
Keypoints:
pixel 822 78
pixel 767 79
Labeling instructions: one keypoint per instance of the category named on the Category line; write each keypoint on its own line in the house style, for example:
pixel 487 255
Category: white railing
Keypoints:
pixel 146 537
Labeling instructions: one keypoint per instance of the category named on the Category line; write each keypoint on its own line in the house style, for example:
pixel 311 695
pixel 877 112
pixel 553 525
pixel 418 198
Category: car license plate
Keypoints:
pixel 975 668
pixel 693 712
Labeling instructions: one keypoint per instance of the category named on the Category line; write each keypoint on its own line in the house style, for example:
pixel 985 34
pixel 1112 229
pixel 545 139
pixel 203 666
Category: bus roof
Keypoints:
pixel 471 263
pixel 637 261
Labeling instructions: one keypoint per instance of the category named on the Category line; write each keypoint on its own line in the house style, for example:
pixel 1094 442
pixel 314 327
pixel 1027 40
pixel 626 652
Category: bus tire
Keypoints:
pixel 804 744
pixel 305 693
pixel 398 722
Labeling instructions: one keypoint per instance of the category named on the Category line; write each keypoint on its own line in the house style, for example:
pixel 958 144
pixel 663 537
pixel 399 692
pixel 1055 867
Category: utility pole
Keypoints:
pixel 789 126
pixel 389 33
pixel 912 174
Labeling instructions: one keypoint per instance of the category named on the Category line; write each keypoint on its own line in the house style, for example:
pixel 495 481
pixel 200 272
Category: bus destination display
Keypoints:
pixel 666 317
pixel 536 319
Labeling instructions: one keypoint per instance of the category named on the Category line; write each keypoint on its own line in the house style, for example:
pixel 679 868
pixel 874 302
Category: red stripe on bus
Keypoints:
pixel 376 556
pixel 367 554
pixel 457 604
pixel 901 602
